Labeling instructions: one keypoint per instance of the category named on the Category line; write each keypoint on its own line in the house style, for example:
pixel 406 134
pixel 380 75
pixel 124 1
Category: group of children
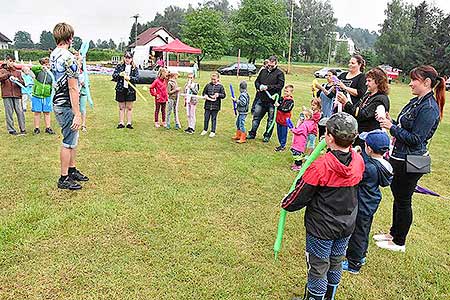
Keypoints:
pixel 27 85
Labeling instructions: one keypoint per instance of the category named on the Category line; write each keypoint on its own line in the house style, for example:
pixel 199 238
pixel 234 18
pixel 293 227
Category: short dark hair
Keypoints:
pixel 273 58
pixel 333 71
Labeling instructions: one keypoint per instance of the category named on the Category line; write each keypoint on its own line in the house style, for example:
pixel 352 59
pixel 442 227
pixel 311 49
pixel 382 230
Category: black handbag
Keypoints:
pixel 418 164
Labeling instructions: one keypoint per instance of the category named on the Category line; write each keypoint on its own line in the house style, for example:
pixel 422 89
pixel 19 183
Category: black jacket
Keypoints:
pixel 134 78
pixel 209 90
pixel 274 81
pixel 328 189
pixel 364 111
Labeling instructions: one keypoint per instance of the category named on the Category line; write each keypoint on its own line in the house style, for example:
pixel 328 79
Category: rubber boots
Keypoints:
pixel 237 136
pixel 243 138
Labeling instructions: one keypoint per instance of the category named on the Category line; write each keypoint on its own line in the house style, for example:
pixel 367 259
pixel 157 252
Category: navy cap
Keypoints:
pixel 376 139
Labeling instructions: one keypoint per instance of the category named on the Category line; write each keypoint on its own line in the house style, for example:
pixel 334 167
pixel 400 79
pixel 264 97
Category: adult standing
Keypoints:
pixel 415 126
pixel 124 74
pixel 364 111
pixel 353 82
pixel 12 95
pixel 269 82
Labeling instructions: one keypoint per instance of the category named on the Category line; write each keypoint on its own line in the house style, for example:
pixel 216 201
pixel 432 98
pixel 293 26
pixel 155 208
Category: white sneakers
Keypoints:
pixel 390 245
pixel 212 134
pixel 384 241
pixel 383 237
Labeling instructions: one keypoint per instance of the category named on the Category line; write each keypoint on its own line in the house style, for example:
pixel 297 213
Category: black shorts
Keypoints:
pixel 125 96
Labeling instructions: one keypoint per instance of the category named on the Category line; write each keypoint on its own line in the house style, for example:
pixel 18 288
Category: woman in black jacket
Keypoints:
pixel 415 126
pixel 364 111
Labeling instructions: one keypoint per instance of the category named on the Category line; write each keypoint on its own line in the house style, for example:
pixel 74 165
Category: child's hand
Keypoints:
pixel 276 104
pixel 233 98
pixel 178 89
pixel 123 74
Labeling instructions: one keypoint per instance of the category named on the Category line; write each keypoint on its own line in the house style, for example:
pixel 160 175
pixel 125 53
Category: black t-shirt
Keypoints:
pixel 358 82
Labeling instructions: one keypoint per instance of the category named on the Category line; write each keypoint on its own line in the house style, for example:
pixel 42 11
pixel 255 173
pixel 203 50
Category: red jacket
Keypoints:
pixel 284 110
pixel 158 89
pixel 316 118
pixel 9 88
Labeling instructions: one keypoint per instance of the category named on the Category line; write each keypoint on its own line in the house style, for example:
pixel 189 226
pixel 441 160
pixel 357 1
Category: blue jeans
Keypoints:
pixel 282 132
pixel 64 116
pixel 260 110
pixel 240 122
pixel 327 105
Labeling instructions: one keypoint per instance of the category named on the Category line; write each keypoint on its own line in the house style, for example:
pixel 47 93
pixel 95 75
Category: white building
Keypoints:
pixel 344 39
pixel 4 41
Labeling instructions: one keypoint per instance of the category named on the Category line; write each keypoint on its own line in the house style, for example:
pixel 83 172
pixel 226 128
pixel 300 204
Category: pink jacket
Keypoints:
pixel 158 89
pixel 301 134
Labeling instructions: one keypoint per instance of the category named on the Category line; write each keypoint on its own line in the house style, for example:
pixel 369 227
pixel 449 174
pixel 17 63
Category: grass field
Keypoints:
pixel 168 215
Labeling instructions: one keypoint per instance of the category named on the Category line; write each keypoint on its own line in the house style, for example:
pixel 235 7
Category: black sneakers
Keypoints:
pixel 36 131
pixel 49 130
pixel 129 126
pixel 120 126
pixel 279 149
pixel 68 184
pixel 78 176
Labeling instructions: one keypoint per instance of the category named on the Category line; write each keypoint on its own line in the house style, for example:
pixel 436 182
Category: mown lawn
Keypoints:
pixel 168 215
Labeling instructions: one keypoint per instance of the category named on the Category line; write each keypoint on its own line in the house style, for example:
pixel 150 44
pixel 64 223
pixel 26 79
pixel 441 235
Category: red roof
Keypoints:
pixel 178 46
pixel 149 35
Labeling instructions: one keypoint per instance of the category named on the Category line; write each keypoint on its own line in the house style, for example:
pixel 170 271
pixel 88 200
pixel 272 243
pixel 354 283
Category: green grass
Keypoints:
pixel 168 215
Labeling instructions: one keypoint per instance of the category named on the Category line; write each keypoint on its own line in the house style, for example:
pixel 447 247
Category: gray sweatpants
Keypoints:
pixel 14 104
pixel 172 107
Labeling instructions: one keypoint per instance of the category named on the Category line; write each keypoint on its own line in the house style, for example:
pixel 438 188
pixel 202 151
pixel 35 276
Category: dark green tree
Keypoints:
pixel 260 28
pixel 22 40
pixel 46 40
pixel 172 19
pixel 91 44
pixel 111 44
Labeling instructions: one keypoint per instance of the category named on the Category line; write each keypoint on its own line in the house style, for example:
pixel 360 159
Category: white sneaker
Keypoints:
pixel 212 134
pixel 203 132
pixel 382 237
pixel 390 245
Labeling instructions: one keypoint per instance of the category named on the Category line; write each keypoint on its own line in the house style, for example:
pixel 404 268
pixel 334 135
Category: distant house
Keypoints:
pixel 344 39
pixel 4 41
pixel 155 36
pixel 152 37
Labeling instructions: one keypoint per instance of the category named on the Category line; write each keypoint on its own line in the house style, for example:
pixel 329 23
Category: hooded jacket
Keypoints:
pixel 9 88
pixel 328 190
pixel 274 80
pixel 377 172
pixel 300 134
pixel 158 89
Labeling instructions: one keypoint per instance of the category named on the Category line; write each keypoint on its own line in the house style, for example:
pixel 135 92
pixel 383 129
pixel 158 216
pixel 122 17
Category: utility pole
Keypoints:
pixel 136 16
pixel 290 37
pixel 329 51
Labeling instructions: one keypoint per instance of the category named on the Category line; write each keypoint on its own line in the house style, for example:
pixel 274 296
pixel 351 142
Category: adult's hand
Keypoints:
pixel 341 98
pixel 76 123
pixel 385 122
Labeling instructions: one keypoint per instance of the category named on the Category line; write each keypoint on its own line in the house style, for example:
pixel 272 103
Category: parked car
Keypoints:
pixel 323 72
pixel 391 72
pixel 244 69
pixel 447 85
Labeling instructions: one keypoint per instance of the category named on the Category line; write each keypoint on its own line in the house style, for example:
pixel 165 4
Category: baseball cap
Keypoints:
pixel 343 125
pixel 376 139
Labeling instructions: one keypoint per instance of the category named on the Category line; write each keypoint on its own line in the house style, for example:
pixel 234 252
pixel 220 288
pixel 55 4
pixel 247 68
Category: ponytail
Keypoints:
pixel 440 95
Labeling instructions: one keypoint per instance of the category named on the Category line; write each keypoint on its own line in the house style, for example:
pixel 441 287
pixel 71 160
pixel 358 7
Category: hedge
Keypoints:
pixel 35 55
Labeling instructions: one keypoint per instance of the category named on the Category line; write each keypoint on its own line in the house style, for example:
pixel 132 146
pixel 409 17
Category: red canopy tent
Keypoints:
pixel 177 46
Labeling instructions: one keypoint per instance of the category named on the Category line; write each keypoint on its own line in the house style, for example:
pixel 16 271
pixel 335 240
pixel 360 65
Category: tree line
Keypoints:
pixel 410 35
pixel 22 40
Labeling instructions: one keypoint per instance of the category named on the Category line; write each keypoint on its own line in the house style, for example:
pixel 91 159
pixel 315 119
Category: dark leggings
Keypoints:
pixel 210 114
pixel 402 187
pixel 160 106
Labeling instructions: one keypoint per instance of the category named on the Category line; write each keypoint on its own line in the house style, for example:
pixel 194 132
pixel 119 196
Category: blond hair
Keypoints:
pixel 63 33
pixel 308 113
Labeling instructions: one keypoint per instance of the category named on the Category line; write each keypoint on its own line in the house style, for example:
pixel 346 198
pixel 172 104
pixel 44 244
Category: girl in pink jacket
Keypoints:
pixel 158 89
pixel 305 126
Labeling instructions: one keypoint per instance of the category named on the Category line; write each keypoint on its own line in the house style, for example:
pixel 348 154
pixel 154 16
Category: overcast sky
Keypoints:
pixel 94 19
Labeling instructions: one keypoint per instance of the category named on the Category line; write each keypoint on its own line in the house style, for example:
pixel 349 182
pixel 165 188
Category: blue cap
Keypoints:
pixel 376 139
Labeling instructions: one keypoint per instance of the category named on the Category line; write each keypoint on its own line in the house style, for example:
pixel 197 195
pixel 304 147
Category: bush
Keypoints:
pixel 35 55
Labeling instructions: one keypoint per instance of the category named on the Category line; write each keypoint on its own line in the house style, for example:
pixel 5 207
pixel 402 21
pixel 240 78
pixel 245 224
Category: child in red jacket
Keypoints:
pixel 158 89
pixel 285 106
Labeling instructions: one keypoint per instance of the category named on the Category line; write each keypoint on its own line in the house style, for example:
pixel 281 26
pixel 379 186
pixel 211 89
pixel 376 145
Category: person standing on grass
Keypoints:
pixel 328 191
pixel 242 104
pixel 191 89
pixel 66 105
pixel 285 106
pixel 158 89
pixel 270 81
pixel 414 128
pixel 12 95
pixel 377 172
pixel 124 74
pixel 28 79
pixel 173 90
pixel 41 101
pixel 214 92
